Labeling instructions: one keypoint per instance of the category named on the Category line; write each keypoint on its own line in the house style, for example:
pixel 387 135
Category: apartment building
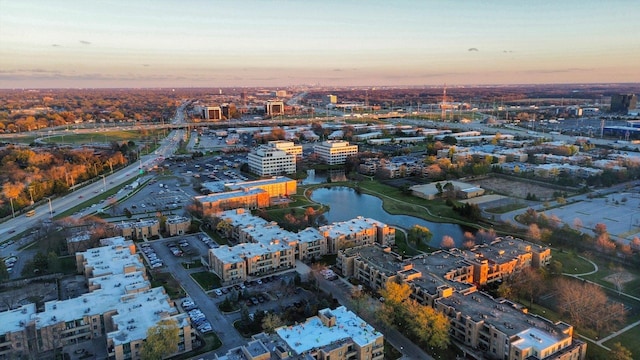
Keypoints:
pixel 177 225
pixel 268 161
pixel 308 244
pixel 357 232
pixel 120 307
pixel 139 230
pixel 501 329
pixel 235 264
pixel 332 334
pixel 335 152
pixel 446 280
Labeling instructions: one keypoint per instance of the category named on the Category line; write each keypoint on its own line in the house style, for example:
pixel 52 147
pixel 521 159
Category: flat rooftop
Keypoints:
pixel 314 334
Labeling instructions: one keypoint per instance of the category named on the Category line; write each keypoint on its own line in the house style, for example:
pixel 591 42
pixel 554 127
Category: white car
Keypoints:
pixel 218 292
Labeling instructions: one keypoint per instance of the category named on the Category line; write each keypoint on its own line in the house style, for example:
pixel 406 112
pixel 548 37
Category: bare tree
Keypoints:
pixel 586 304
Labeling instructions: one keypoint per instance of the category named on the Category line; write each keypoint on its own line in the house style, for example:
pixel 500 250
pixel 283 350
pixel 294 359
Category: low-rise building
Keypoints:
pixel 235 264
pixel 252 198
pixel 332 334
pixel 357 232
pixel 120 307
pixel 140 229
pixel 177 225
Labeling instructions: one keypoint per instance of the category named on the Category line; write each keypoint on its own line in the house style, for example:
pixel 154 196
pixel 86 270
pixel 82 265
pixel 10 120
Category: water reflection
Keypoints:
pixel 345 204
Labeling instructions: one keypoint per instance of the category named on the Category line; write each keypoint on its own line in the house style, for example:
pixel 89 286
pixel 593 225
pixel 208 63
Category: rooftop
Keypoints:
pixel 314 333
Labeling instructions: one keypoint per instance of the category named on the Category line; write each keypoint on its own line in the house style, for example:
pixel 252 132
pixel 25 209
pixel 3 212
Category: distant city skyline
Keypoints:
pixel 199 43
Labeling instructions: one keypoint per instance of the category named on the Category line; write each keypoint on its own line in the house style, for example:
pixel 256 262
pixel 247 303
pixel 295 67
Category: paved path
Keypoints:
pixel 610 336
pixel 595 269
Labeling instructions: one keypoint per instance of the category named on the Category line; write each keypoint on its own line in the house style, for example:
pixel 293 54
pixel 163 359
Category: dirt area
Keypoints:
pixel 518 189
pixel 620 278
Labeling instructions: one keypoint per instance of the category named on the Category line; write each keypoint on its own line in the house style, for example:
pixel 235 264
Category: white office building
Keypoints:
pixel 269 161
pixel 335 152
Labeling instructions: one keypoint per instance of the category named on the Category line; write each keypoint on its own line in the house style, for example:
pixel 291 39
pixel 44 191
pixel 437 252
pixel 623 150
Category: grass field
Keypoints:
pixel 103 137
pixel 206 280
pixel 571 263
pixel 628 339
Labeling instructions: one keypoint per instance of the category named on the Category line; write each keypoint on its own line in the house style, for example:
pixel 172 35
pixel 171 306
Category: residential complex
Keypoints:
pixel 448 280
pixel 335 152
pixel 264 247
pixel 332 334
pixel 139 230
pixel 119 308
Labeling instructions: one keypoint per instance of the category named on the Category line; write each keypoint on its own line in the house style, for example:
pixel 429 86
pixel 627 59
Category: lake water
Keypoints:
pixel 346 204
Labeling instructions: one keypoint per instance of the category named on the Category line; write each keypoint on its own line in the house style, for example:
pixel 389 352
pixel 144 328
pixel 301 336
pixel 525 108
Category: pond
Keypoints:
pixel 346 204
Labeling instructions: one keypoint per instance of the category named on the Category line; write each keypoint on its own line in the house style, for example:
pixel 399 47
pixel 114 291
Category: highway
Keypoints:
pixel 22 223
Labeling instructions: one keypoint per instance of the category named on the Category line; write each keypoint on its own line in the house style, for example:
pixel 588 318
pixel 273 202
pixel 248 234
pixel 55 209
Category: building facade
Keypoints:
pixel 335 152
pixel 269 161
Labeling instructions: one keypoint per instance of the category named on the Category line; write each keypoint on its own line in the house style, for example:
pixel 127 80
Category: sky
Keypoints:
pixel 277 43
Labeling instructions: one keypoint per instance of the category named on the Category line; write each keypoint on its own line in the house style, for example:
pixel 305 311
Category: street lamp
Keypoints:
pixel 31 194
pixel 50 208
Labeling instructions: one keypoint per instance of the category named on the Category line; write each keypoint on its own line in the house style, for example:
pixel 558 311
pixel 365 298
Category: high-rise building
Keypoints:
pixel 623 103
pixel 269 160
pixel 335 152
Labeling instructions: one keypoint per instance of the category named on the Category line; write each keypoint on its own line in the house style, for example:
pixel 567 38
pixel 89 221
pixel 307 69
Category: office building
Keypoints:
pixel 269 161
pixel 623 103
pixel 212 113
pixel 274 108
pixel 335 152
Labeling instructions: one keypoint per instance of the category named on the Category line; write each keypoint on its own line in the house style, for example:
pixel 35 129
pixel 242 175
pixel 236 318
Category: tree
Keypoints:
pixel 162 340
pixel 619 352
pixel 586 304
pixel 447 242
pixel 534 231
pixel 419 234
pixel 469 240
pixel 428 324
pixel 527 283
pixel 271 322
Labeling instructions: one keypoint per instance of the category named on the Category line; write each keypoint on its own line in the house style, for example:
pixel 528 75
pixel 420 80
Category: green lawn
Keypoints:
pixel 571 263
pixel 206 280
pixel 596 352
pixel 605 269
pixel 103 137
pixel 628 339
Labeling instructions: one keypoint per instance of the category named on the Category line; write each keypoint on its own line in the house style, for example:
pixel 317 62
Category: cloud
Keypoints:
pixel 507 51
pixel 56 45
pixel 473 49
pixel 85 42
pixel 145 65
